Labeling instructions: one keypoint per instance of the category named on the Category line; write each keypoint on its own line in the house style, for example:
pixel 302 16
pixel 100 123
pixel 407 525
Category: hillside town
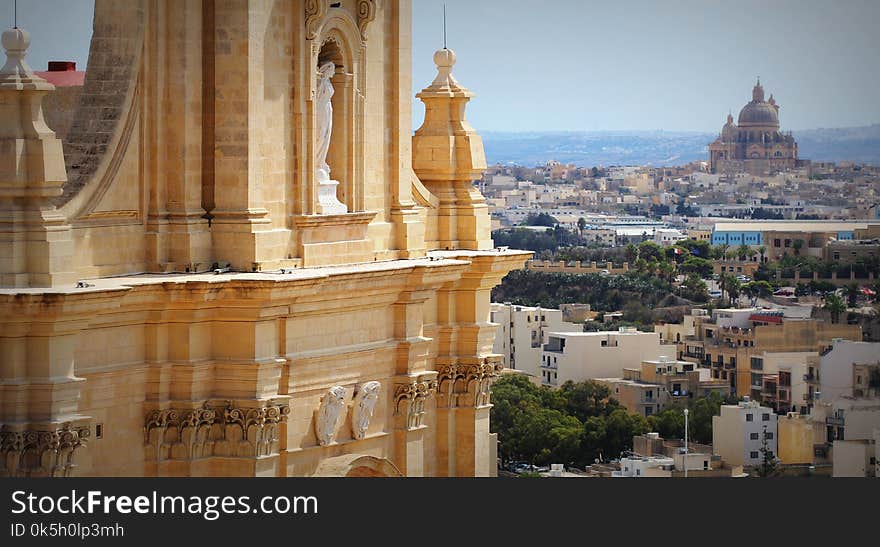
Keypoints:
pixel 746 285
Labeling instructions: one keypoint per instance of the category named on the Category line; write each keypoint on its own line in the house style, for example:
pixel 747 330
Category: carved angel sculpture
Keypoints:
pixel 364 406
pixel 329 414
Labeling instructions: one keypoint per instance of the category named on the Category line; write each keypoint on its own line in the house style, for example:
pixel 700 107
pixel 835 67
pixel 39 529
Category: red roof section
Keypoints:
pixel 72 78
pixel 63 74
pixel 766 318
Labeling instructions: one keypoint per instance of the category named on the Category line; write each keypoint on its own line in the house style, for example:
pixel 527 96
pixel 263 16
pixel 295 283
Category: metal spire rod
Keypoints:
pixel 444 26
pixel 14 13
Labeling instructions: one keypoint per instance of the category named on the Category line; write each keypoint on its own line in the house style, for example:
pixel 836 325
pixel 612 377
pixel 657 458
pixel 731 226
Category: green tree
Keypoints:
pixel 763 252
pixel 696 265
pixel 694 288
pixel 797 245
pixel 743 252
pixel 650 251
pixel 700 419
pixel 769 464
pixel 540 219
pixel 582 225
pixel 835 306
pixel 669 423
pixel 730 285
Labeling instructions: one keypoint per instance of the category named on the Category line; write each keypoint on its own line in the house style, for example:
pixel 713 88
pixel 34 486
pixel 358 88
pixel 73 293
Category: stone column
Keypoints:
pixel 36 246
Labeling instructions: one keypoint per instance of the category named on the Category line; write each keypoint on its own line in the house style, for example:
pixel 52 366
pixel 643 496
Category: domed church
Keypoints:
pixel 754 144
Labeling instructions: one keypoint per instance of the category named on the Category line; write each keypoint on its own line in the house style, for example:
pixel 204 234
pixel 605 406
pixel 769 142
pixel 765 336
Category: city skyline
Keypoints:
pixel 676 67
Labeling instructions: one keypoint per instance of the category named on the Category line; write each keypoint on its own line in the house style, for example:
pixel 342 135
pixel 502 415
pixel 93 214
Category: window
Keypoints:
pixel 776 243
pixel 649 411
pixel 604 343
pixel 753 436
pixel 750 417
pixel 768 435
pixel 757 363
pixel 765 417
pixel 753 454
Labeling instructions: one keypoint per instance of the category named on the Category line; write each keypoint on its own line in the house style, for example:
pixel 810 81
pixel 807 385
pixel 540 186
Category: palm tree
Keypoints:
pixel 743 251
pixel 730 285
pixel 852 294
pixel 582 224
pixel 835 306
pixel 763 250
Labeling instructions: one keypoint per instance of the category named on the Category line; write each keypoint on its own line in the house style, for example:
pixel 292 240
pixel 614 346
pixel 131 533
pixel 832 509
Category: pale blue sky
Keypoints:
pixel 621 65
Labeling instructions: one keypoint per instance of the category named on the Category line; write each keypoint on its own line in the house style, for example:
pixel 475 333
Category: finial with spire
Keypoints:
pixel 758 92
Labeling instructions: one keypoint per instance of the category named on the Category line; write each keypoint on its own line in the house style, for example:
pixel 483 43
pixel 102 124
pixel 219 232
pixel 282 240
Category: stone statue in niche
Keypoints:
pixel 329 414
pixel 364 406
pixel 328 203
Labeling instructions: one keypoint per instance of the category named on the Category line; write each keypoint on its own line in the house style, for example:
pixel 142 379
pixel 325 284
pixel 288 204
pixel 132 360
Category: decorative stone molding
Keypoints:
pixel 364 406
pixel 329 415
pixel 409 399
pixel 467 384
pixel 219 429
pixel 45 452
pixel 316 10
pixel 366 12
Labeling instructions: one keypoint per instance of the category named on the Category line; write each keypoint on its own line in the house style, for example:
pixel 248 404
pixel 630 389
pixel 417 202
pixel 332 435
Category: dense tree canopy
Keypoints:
pixel 579 423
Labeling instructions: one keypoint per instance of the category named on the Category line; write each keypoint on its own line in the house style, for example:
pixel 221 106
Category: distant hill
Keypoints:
pixel 659 148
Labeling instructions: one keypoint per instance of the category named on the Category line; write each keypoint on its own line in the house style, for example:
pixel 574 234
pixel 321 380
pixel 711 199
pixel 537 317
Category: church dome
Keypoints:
pixel 759 113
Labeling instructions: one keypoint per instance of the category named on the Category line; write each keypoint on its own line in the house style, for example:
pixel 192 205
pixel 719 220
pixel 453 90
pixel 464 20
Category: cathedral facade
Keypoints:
pixel 754 144
pixel 241 261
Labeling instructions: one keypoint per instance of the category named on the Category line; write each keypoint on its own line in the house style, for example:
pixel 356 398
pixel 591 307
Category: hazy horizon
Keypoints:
pixel 633 65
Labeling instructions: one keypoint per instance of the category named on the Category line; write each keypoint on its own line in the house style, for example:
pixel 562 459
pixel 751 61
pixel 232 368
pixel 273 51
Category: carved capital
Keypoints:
pixel 366 13
pixel 41 452
pixel 410 397
pixel 316 10
pixel 467 384
pixel 214 429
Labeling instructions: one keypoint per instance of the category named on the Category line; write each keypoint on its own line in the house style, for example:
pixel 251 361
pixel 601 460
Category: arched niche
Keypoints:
pixel 339 41
pixel 357 465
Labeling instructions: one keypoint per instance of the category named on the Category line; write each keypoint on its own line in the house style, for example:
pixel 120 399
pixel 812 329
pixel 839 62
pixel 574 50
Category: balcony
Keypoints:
pixel 834 421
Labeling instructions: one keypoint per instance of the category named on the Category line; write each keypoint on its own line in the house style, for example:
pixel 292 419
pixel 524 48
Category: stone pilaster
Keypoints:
pixel 36 246
pixel 178 237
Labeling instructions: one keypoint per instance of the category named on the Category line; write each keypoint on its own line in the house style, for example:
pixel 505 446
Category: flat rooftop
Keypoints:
pixel 793 226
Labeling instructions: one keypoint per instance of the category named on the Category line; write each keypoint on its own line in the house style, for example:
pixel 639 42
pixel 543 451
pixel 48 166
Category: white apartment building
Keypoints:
pixel 737 434
pixel 522 332
pixel 581 356
pixel 833 373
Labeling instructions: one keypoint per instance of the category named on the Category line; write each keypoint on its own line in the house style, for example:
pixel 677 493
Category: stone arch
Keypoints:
pixel 357 465
pixel 106 114
pixel 339 40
